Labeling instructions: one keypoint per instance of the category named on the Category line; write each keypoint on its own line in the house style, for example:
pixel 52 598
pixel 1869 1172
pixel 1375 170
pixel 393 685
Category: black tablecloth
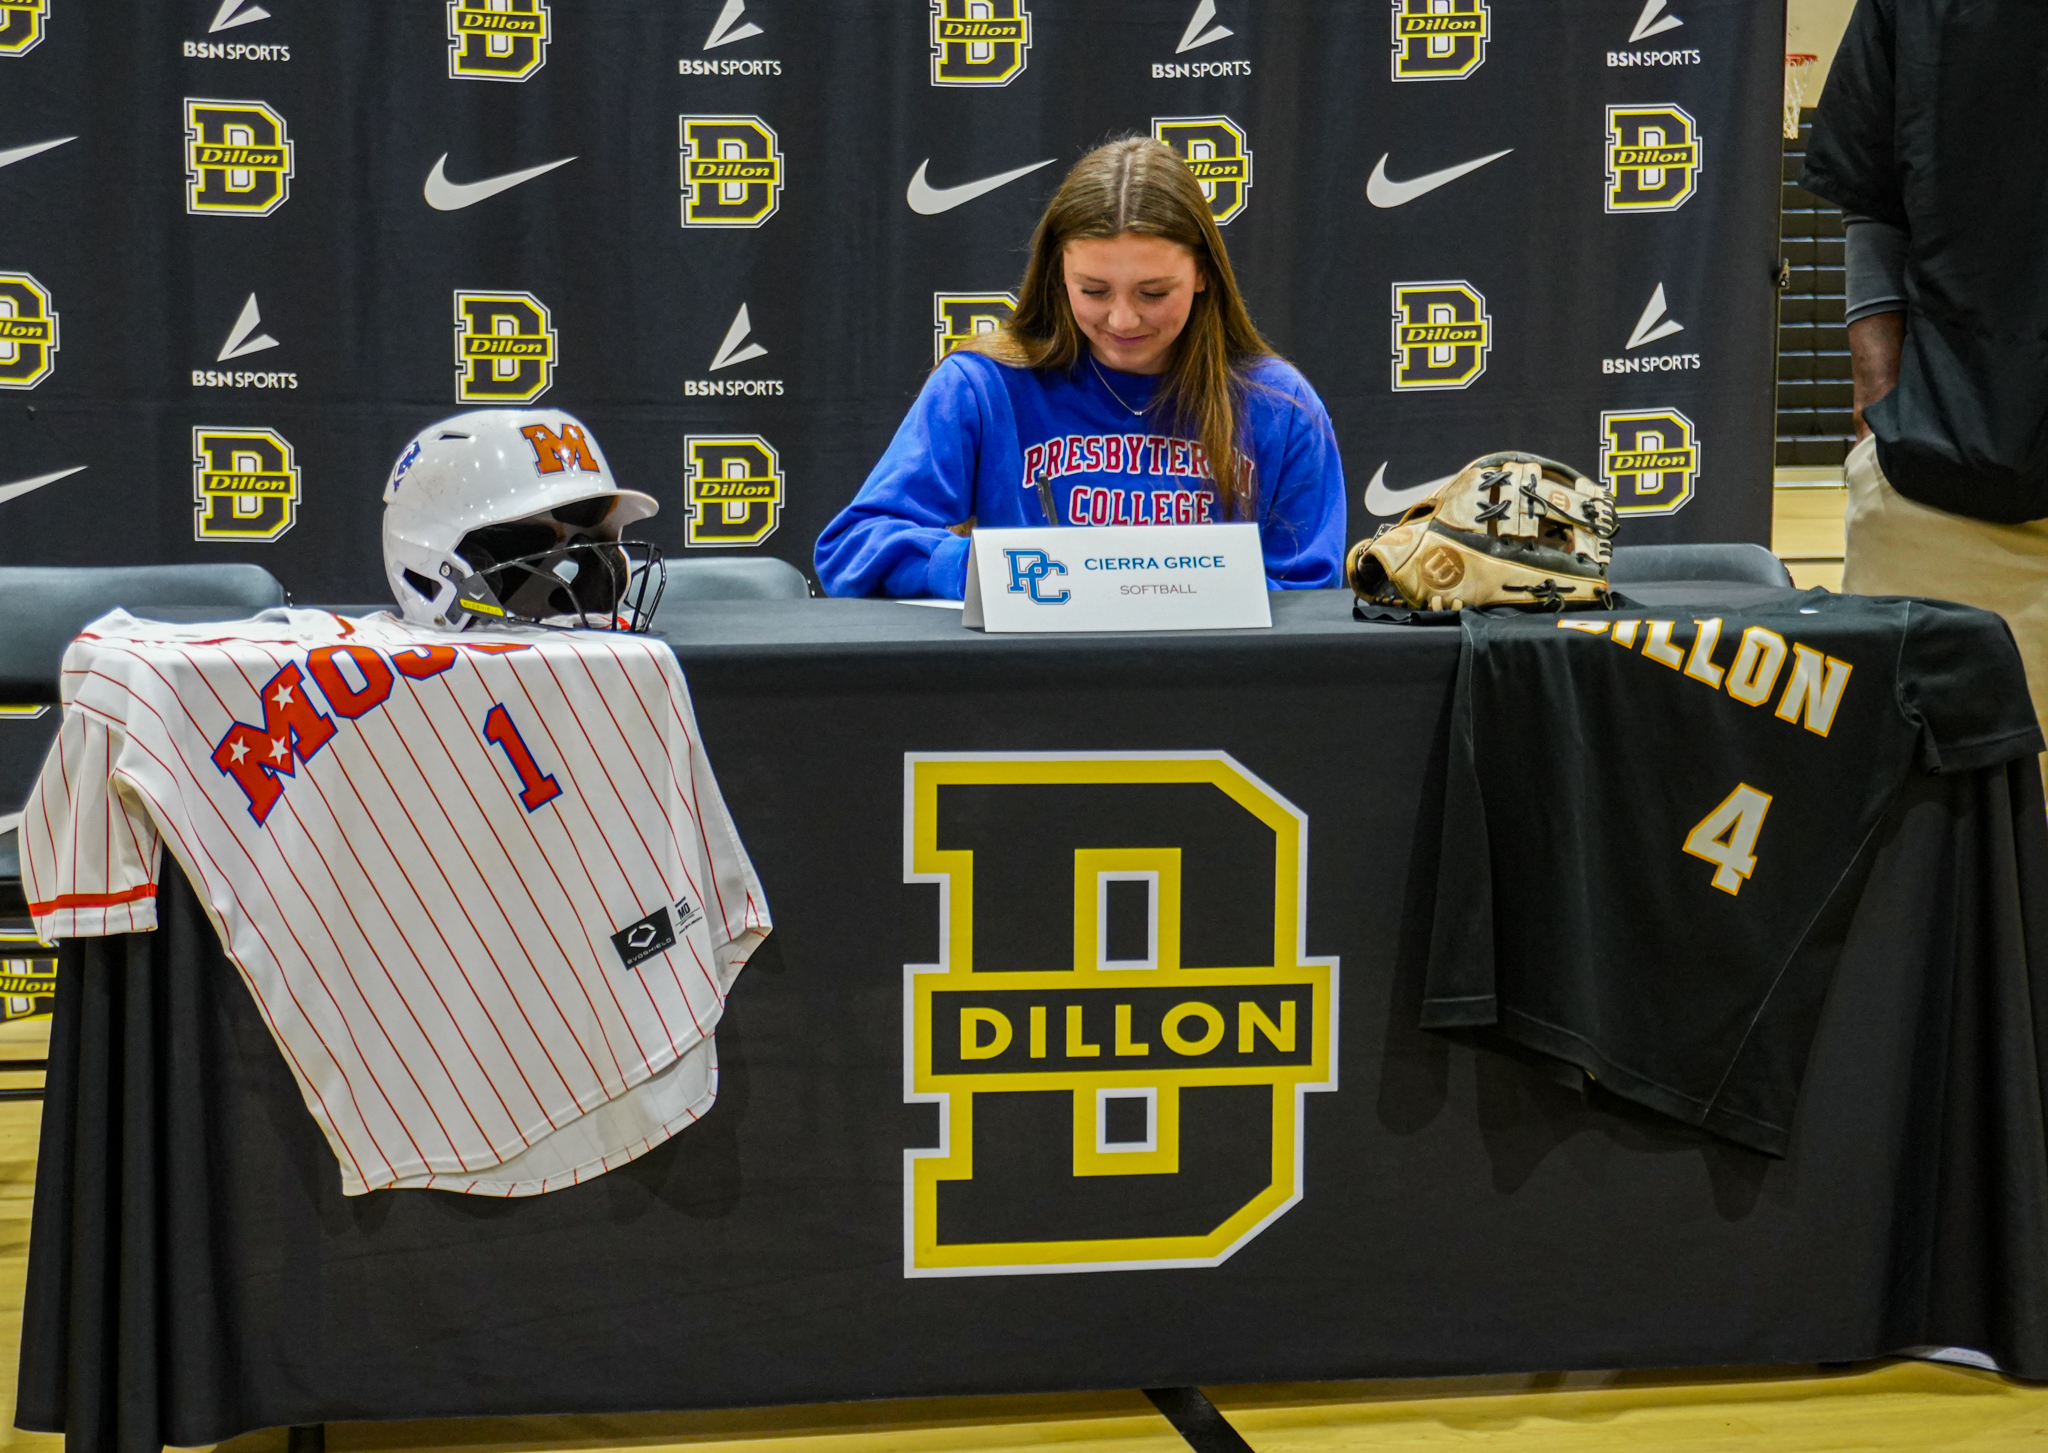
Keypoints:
pixel 195 1271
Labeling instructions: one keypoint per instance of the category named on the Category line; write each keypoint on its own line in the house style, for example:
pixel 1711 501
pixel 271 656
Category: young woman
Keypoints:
pixel 1130 388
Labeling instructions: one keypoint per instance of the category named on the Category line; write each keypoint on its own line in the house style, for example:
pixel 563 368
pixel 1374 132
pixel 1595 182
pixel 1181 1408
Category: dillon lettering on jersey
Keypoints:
pixel 1188 500
pixel 1652 854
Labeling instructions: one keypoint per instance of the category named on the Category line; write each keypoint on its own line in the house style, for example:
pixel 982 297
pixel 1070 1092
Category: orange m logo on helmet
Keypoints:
pixel 552 452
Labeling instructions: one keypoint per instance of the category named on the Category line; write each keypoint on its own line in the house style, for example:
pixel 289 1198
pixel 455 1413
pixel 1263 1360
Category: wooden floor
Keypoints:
pixel 1894 1407
pixel 1806 525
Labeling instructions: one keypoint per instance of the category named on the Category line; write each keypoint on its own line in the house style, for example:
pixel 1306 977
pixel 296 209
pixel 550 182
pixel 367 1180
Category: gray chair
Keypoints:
pixel 735 577
pixel 43 606
pixel 1746 563
pixel 731 577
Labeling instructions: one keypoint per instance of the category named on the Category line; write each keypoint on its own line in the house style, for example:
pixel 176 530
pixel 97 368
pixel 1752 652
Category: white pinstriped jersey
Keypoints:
pixel 483 887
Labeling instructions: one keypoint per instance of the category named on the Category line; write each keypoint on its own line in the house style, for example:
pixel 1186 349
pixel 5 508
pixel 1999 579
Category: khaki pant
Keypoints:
pixel 1898 546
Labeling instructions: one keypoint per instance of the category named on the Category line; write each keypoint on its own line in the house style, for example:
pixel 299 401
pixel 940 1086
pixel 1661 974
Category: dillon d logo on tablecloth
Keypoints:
pixel 496 40
pixel 731 171
pixel 504 348
pixel 28 331
pixel 979 42
pixel 734 487
pixel 1651 459
pixel 1119 1069
pixel 245 483
pixel 1439 40
pixel 238 159
pixel 1442 334
pixel 1653 158
pixel 959 318
pixel 1218 153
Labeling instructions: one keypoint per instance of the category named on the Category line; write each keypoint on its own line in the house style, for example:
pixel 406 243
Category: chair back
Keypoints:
pixel 1728 560
pixel 730 577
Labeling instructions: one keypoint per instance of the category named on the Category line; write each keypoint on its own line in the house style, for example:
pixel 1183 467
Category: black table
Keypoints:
pixel 195 1271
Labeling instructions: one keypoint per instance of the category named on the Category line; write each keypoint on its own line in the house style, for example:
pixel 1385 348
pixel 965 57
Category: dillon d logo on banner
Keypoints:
pixel 238 160
pixel 1218 153
pixel 21 25
pixel 245 482
pixel 28 331
pixel 1442 335
pixel 1651 459
pixel 979 42
pixel 496 40
pixel 732 171
pixel 960 317
pixel 1653 158
pixel 1439 40
pixel 1119 1077
pixel 735 489
pixel 504 348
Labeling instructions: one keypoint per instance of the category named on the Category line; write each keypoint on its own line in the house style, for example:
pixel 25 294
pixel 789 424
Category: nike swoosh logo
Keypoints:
pixel 23 153
pixel 928 201
pixel 1382 191
pixel 1380 500
pixel 446 196
pixel 22 487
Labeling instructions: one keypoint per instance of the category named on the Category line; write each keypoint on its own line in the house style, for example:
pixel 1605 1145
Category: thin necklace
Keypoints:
pixel 1137 413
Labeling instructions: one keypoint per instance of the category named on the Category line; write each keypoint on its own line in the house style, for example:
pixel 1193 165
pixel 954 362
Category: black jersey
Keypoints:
pixel 1649 814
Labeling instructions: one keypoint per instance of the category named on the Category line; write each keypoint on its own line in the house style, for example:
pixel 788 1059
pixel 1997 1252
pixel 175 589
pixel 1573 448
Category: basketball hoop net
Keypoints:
pixel 1798 66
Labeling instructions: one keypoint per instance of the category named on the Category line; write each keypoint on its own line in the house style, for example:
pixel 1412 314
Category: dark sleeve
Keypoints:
pixel 1852 158
pixel 1962 683
pixel 1458 982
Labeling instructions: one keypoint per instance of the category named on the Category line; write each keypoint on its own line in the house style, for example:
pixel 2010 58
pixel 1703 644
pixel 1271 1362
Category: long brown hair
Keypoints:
pixel 1139 185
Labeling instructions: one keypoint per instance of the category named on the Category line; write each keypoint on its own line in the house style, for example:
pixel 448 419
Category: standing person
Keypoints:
pixel 1932 135
pixel 1130 388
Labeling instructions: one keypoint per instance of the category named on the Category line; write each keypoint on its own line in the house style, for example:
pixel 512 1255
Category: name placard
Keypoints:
pixel 1117 578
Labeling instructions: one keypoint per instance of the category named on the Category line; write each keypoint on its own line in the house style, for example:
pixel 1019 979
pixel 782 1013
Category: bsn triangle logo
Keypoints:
pixel 227 18
pixel 736 348
pixel 1654 324
pixel 727 28
pixel 1649 22
pixel 1195 36
pixel 240 342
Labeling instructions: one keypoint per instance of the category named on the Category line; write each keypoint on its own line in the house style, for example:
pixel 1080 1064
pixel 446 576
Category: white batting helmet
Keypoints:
pixel 513 514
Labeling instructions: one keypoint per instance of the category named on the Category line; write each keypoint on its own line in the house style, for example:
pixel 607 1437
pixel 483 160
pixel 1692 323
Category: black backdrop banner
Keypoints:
pixel 247 249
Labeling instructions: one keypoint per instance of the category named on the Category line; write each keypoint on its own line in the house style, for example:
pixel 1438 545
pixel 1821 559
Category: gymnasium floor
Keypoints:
pixel 1893 1407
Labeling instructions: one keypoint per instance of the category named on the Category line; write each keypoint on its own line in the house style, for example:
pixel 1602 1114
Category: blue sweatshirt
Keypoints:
pixel 981 432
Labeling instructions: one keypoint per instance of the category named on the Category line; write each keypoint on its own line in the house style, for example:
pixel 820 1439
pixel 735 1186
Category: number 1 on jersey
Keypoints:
pixel 539 789
pixel 1726 837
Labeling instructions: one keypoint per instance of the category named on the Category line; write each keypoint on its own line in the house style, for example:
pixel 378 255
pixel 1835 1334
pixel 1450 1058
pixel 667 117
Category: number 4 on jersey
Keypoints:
pixel 538 788
pixel 1726 837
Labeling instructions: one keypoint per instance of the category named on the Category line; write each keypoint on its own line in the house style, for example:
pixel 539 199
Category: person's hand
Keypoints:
pixel 1875 343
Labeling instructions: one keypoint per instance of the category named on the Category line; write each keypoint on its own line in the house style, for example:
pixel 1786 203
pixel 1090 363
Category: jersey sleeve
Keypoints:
pixel 90 852
pixel 1302 518
pixel 1851 157
pixel 894 538
pixel 1962 683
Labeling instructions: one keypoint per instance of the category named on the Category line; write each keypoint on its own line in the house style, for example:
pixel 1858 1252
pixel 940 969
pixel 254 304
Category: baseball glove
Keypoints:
pixel 1509 529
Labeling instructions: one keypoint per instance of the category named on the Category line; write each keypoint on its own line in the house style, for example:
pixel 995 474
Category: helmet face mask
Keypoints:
pixel 513 515
pixel 581 585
